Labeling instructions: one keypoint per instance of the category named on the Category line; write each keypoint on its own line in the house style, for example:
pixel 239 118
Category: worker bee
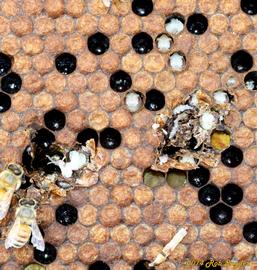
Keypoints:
pixel 24 225
pixel 10 181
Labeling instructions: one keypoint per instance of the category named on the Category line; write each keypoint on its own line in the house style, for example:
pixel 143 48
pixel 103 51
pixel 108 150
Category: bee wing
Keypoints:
pixel 37 239
pixel 5 201
pixel 9 241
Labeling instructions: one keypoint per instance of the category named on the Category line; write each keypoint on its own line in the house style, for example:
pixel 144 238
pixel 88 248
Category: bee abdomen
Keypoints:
pixel 22 237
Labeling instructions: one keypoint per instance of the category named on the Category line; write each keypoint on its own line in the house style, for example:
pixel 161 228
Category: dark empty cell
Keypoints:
pixel 99 265
pixel 170 150
pixel 98 43
pixel 250 80
pixel 11 83
pixel 66 214
pixel 5 64
pixel 87 134
pixel 155 100
pixel 120 81
pixel 142 43
pixel 110 138
pixel 249 6
pixel 51 168
pixel 142 7
pixel 221 214
pixel 27 157
pixel 209 195
pixel 241 61
pixel 192 144
pixel 199 177
pixel 142 265
pixel 210 265
pixel 47 256
pixel 232 157
pixel 43 138
pixel 250 232
pixel 25 182
pixel 65 63
pixel 54 119
pixel 42 162
pixel 232 194
pixel 197 24
pixel 5 102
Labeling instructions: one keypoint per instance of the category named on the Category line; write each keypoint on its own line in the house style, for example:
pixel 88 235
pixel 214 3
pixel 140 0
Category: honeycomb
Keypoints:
pixel 121 220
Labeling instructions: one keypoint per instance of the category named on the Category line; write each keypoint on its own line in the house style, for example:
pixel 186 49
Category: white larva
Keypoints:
pixel 207 121
pixel 163 159
pixel 231 81
pixel 164 43
pixel 65 167
pixel 77 161
pixel 250 85
pixel 188 159
pixel 133 101
pixel 182 108
pixel 174 26
pixel 221 97
pixel 177 61
pixel 194 100
pixel 174 128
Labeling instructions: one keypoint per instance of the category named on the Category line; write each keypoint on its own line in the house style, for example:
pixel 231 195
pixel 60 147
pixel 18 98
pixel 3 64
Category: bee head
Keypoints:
pixel 28 202
pixel 16 169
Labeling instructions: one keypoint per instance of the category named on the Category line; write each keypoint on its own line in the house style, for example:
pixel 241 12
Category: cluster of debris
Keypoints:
pixel 48 170
pixel 194 132
pixel 55 169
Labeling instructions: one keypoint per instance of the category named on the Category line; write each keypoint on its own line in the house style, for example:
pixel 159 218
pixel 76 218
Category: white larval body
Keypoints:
pixel 177 62
pixel 133 101
pixel 164 43
pixel 174 26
